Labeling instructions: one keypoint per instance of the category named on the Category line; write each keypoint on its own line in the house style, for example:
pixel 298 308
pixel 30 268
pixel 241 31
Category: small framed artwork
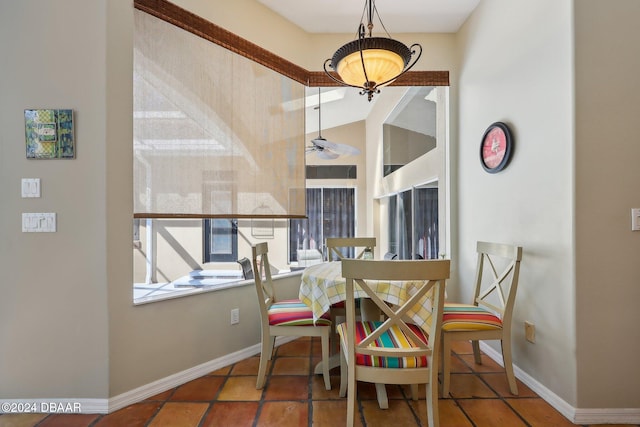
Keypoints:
pixel 49 134
pixel 496 147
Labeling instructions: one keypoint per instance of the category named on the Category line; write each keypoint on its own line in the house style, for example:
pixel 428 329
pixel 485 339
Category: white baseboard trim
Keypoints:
pixel 177 379
pixel 575 415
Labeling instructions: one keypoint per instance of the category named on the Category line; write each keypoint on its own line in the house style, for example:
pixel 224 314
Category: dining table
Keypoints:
pixel 323 285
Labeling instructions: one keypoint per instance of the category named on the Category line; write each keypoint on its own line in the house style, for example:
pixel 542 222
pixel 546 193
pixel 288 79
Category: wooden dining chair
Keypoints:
pixel 396 350
pixel 337 249
pixel 489 315
pixel 284 317
pixel 245 264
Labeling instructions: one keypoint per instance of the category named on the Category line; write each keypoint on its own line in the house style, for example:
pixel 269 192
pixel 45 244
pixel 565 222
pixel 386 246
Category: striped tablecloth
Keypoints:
pixel 323 285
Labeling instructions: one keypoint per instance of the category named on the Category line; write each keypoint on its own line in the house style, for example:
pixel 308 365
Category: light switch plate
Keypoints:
pixel 30 187
pixel 635 219
pixel 38 222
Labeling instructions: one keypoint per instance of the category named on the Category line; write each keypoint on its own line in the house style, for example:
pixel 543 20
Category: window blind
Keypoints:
pixel 211 136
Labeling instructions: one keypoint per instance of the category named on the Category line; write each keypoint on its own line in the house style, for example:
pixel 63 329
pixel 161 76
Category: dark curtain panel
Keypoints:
pixel 405 225
pixel 304 233
pixel 339 214
pixel 426 223
pixel 393 225
pixel 314 213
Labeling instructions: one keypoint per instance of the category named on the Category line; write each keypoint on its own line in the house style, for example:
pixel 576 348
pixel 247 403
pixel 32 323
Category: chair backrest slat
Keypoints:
pixel 247 271
pixel 497 273
pixel 334 244
pixel 262 277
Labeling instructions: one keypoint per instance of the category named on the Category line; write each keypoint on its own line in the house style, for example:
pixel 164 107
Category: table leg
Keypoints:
pixel 334 362
pixel 381 392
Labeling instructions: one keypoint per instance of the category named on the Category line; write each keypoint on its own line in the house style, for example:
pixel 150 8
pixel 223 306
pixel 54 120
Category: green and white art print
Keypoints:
pixel 49 134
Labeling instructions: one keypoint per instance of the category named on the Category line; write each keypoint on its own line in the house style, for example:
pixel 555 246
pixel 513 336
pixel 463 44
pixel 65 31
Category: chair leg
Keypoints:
pixel 476 351
pixel 265 356
pixel 446 364
pixel 325 358
pixel 351 395
pixel 335 338
pixel 414 391
pixel 433 418
pixel 508 366
pixel 343 374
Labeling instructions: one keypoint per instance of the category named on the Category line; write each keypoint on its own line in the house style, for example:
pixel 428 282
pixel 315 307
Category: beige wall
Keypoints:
pixel 563 198
pixel 407 145
pixel 53 293
pixel 607 95
pixel 520 72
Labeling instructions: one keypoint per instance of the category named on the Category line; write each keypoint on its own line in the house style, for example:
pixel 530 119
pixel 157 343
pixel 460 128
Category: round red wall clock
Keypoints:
pixel 496 147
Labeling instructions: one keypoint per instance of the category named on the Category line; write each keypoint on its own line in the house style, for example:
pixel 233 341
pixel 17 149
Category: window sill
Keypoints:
pixel 167 291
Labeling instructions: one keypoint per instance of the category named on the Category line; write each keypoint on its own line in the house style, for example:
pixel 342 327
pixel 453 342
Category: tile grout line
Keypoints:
pixel 213 401
pixel 310 377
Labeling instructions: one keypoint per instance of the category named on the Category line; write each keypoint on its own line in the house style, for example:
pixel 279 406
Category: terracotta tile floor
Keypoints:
pixel 294 397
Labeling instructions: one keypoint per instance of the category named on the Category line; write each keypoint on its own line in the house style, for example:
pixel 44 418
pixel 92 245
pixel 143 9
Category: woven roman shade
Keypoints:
pixel 211 135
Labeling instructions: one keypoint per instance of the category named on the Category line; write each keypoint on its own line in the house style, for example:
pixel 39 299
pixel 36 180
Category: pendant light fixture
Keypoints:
pixel 368 62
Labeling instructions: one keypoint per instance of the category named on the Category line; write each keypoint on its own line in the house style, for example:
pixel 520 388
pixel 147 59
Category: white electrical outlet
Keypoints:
pixel 530 332
pixel 235 316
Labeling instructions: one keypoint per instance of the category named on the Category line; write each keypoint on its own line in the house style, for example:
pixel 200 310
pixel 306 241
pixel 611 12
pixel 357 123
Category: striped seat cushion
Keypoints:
pixel 468 318
pixel 294 313
pixel 392 338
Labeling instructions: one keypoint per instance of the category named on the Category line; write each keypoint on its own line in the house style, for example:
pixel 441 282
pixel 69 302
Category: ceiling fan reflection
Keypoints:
pixel 326 149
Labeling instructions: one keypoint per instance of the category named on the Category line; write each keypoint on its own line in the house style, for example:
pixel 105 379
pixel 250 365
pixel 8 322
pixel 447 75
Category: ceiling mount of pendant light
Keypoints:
pixel 368 62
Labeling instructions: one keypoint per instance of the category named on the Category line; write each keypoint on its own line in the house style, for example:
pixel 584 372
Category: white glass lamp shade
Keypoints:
pixel 381 65
pixel 384 59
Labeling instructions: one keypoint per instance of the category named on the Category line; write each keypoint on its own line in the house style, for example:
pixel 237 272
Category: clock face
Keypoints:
pixel 496 148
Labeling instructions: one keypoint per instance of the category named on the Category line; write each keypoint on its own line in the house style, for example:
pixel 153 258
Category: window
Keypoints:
pixel 220 240
pixel 414 206
pixel 209 121
pixel 330 213
pixel 413 223
pixel 210 140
